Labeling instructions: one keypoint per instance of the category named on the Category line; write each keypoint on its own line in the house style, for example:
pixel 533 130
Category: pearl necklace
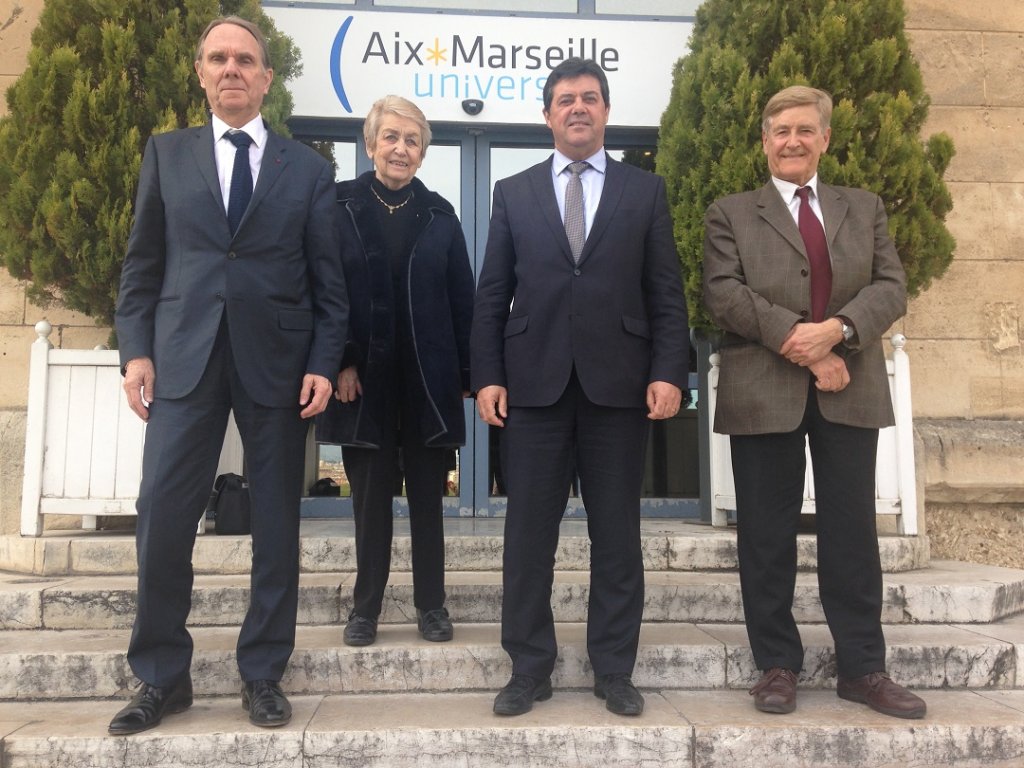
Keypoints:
pixel 392 208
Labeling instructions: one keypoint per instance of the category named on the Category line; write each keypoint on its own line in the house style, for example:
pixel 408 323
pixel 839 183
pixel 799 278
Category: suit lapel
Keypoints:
pixel 202 151
pixel 611 194
pixel 833 210
pixel 544 192
pixel 773 210
pixel 271 167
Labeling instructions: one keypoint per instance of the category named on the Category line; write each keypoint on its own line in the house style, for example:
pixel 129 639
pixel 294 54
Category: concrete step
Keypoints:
pixel 90 664
pixel 679 729
pixel 946 592
pixel 328 546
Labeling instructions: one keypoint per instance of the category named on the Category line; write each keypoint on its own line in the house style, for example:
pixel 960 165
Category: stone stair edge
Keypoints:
pixel 91 664
pixel 938 574
pixel 113 554
pixel 402 636
pixel 948 592
pixel 679 729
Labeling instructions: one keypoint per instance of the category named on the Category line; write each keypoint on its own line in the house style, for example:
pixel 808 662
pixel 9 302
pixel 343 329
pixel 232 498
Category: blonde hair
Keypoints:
pixel 394 105
pixel 798 96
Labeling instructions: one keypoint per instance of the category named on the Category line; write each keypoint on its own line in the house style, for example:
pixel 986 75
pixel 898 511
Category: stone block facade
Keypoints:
pixel 965 332
pixel 966 338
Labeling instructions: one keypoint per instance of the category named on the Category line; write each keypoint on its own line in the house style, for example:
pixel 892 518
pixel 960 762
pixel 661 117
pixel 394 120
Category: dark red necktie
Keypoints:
pixel 817 253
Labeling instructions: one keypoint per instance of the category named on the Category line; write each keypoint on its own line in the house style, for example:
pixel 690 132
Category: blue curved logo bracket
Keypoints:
pixel 339 86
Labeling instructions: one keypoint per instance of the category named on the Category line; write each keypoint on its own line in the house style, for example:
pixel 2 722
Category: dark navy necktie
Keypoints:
pixel 817 254
pixel 241 179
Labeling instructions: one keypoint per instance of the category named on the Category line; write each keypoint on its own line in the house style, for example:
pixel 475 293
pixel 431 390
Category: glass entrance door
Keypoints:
pixel 463 165
pixel 671 483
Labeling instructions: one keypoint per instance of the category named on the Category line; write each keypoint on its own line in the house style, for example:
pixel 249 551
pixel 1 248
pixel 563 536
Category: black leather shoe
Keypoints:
pixel 435 625
pixel 149 705
pixel 517 697
pixel 266 703
pixel 360 631
pixel 620 695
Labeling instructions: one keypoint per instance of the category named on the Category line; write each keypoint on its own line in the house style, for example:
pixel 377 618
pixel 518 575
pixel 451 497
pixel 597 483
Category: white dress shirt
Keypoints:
pixel 224 152
pixel 788 191
pixel 592 180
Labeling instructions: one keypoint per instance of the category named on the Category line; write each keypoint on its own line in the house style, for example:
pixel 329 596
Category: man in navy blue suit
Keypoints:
pixel 226 304
pixel 579 339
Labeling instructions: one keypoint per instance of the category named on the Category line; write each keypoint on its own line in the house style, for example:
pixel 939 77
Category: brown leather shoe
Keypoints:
pixel 880 693
pixel 775 692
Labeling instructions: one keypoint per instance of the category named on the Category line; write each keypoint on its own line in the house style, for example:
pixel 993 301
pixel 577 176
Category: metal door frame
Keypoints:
pixel 476 143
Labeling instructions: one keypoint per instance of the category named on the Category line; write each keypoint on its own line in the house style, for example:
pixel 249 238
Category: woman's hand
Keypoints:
pixel 349 386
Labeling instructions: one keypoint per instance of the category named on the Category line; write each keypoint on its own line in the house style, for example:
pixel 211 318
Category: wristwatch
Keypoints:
pixel 848 331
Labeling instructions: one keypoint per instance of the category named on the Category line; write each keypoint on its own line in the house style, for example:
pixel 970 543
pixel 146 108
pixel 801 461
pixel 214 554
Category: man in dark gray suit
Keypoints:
pixel 579 338
pixel 226 304
pixel 804 279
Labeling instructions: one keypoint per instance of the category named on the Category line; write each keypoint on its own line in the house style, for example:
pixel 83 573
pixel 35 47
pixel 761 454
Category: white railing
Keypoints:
pixel 83 444
pixel 895 479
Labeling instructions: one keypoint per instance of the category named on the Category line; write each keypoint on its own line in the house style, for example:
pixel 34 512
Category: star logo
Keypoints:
pixel 437 53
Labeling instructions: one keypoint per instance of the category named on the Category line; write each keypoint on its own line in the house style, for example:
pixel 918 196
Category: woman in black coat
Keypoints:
pixel 405 370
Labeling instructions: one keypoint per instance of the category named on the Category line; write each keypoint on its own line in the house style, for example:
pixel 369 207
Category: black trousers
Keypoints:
pixel 541 450
pixel 374 475
pixel 183 443
pixel 769 474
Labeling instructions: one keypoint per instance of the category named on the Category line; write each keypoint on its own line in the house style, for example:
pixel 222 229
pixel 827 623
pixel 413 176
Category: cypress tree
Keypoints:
pixel 101 78
pixel 744 51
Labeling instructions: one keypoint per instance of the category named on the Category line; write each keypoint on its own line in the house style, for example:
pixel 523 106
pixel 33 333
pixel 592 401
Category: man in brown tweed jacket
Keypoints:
pixel 804 279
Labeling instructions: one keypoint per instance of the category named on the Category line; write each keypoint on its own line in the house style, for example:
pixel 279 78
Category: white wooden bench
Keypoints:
pixel 895 479
pixel 83 444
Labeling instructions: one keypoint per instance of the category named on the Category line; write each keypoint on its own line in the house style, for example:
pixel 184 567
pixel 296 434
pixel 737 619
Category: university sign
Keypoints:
pixel 473 68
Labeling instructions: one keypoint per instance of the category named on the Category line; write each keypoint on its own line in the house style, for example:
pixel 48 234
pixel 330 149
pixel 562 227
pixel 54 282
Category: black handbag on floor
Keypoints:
pixel 229 503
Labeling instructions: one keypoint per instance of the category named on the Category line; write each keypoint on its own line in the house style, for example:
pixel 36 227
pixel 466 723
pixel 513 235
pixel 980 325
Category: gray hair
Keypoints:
pixel 394 105
pixel 798 96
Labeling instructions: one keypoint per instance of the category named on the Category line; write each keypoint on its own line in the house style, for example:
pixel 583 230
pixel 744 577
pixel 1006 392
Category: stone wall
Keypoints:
pixel 965 333
pixel 12 455
pixel 17 19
